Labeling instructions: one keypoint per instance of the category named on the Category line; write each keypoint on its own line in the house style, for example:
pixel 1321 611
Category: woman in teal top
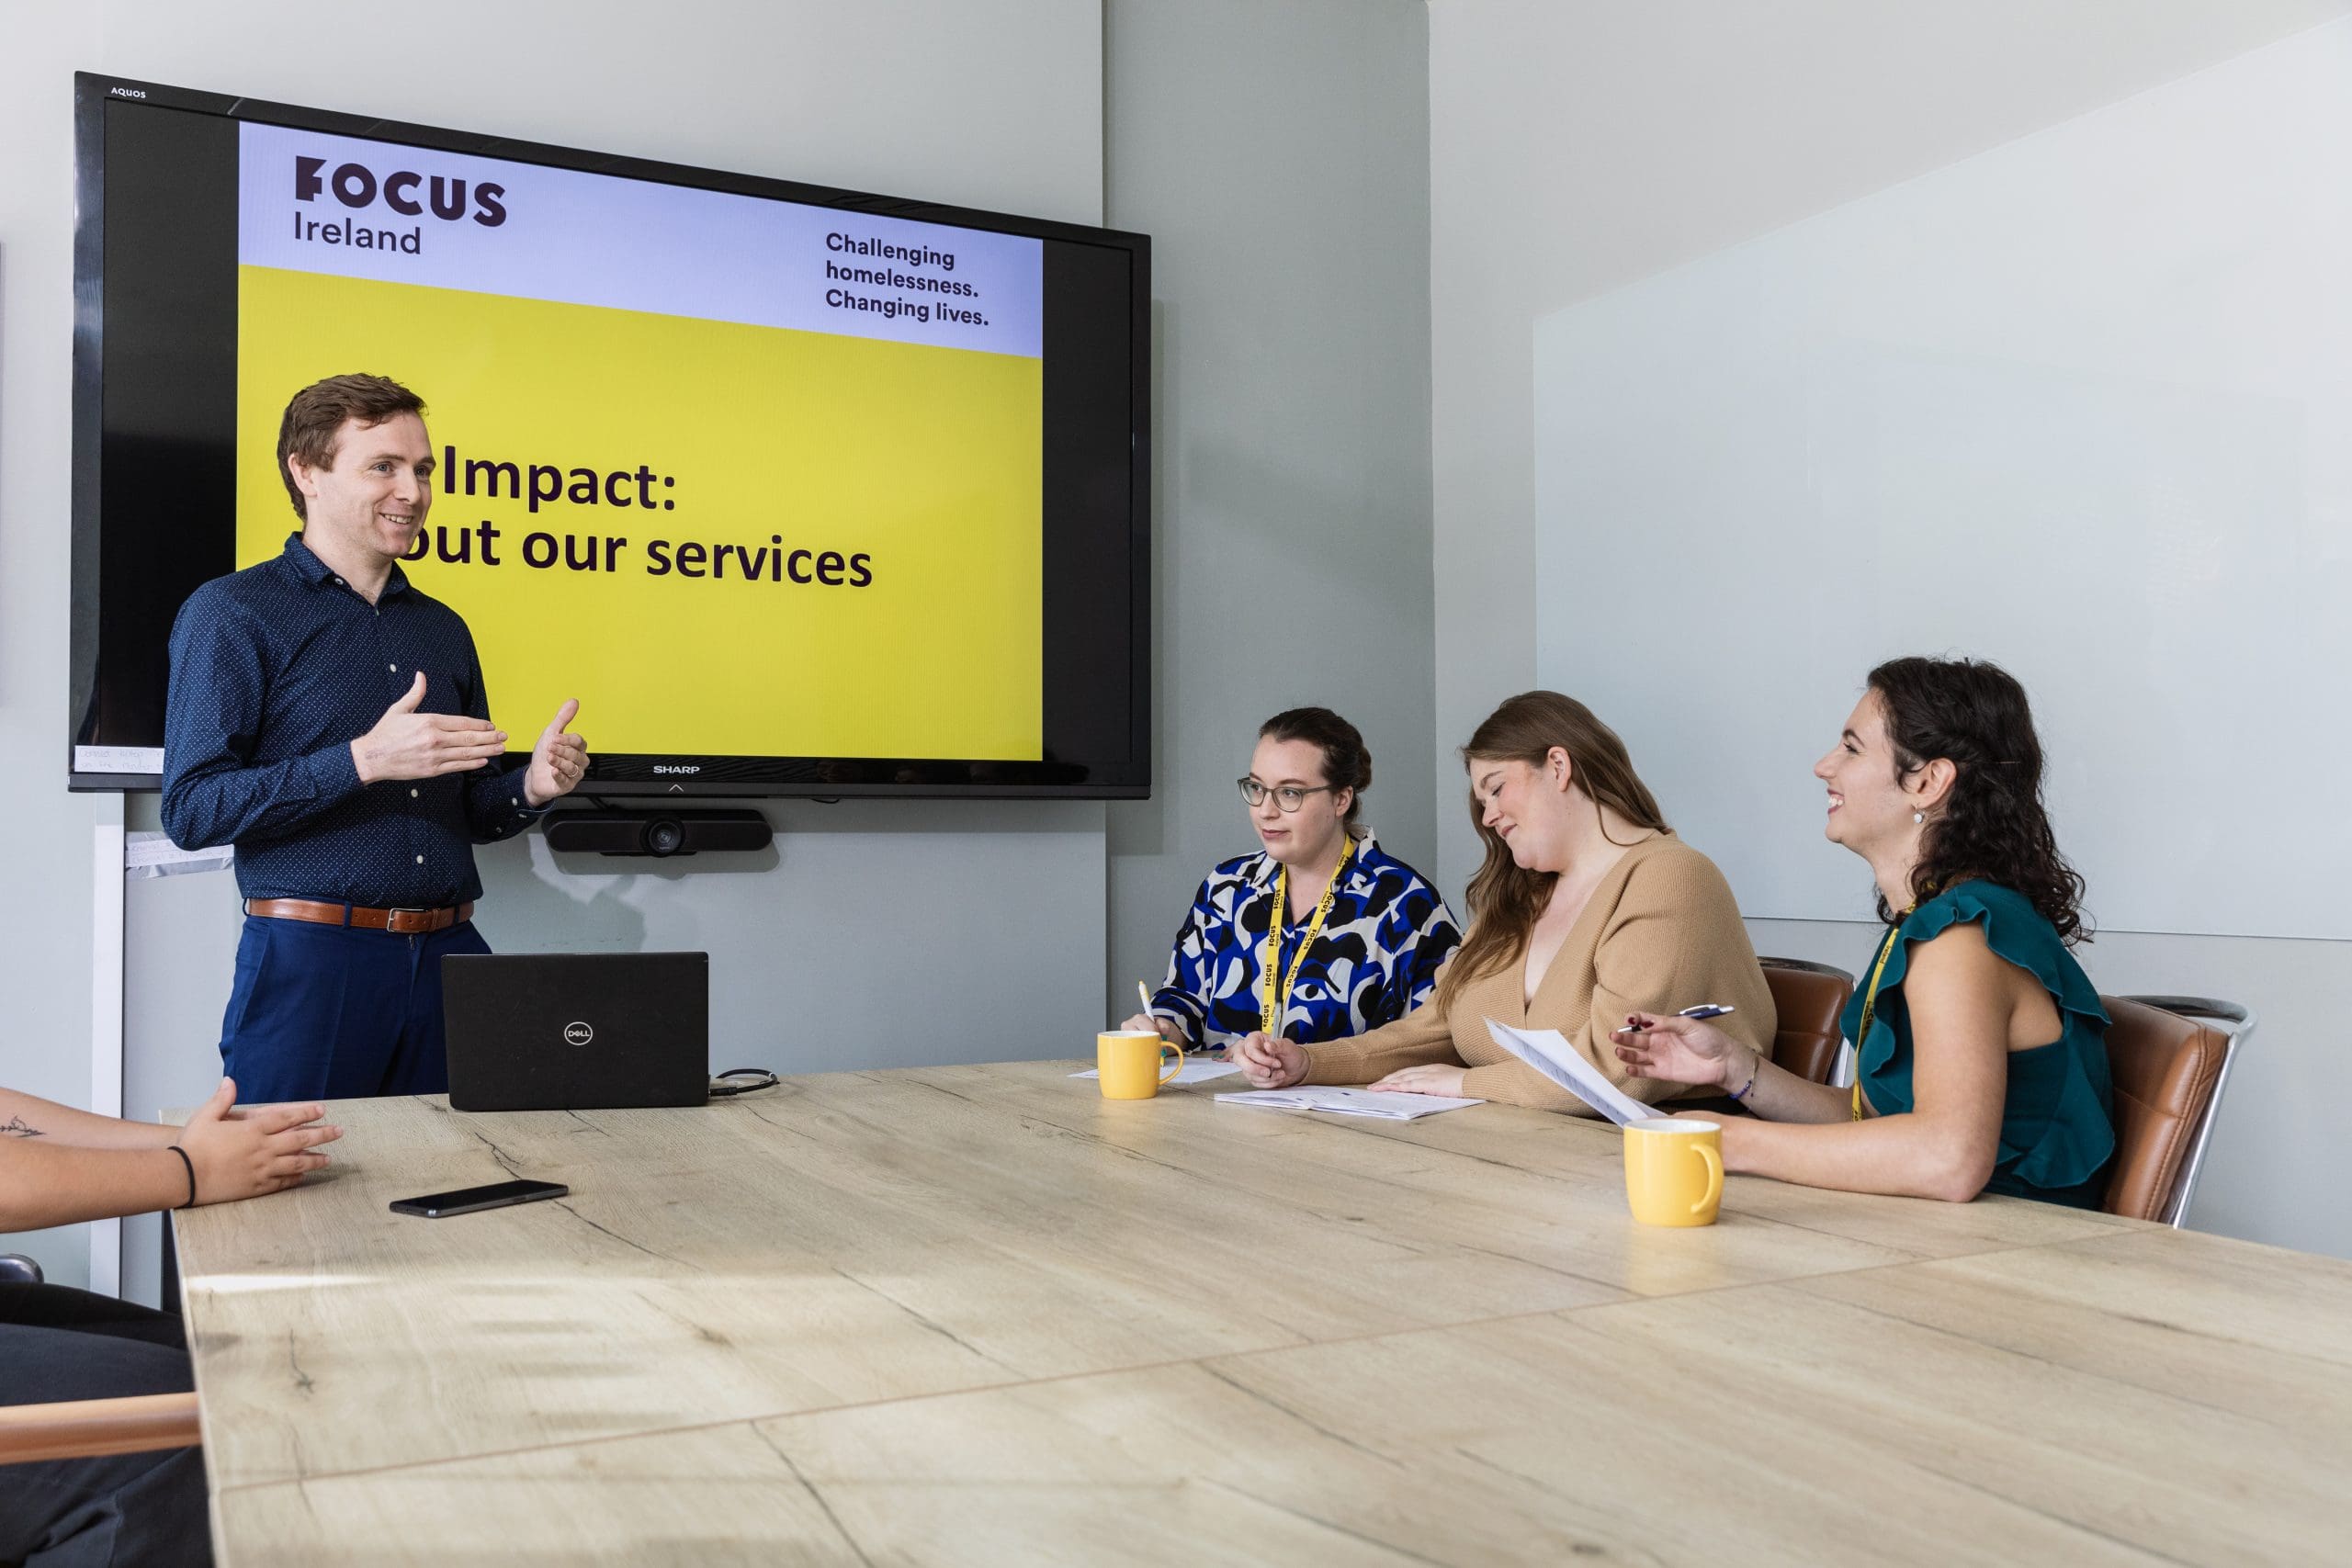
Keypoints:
pixel 1983 1061
pixel 2056 1109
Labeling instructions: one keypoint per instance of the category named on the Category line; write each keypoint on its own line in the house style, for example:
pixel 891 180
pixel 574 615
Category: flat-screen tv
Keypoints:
pixel 799 490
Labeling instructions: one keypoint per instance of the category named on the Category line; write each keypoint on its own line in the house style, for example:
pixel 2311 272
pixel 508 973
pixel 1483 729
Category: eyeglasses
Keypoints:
pixel 1289 797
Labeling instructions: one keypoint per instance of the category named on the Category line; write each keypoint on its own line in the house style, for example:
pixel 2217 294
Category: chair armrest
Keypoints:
pixel 83 1428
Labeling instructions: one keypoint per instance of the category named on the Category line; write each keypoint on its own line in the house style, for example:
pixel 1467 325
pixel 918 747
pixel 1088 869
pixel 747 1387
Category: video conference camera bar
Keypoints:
pixel 657 832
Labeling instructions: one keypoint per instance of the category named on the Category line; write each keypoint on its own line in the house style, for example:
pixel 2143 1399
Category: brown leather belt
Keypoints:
pixel 400 922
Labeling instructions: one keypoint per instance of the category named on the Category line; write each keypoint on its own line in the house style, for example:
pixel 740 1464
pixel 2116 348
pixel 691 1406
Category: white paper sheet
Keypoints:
pixel 1196 1070
pixel 155 854
pixel 1386 1105
pixel 1549 1053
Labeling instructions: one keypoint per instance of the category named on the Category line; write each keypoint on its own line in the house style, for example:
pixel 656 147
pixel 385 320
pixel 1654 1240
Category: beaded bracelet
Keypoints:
pixel 1756 1070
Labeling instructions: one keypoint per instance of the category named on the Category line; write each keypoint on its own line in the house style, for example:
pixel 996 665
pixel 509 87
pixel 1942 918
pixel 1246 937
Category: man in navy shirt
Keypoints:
pixel 329 720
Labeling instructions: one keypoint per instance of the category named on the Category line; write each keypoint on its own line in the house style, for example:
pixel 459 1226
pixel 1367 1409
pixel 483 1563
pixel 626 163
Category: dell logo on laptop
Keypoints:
pixel 578 1034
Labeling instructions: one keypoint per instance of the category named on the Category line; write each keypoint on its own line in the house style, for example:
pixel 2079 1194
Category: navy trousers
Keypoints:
pixel 116 1511
pixel 337 1012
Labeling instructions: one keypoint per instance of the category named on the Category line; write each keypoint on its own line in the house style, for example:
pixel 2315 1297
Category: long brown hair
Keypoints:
pixel 1505 897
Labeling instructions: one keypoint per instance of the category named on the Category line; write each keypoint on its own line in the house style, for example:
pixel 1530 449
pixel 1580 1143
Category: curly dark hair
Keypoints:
pixel 1992 825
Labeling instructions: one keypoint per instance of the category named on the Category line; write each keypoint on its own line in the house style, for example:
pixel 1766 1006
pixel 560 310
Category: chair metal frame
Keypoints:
pixel 2239 1022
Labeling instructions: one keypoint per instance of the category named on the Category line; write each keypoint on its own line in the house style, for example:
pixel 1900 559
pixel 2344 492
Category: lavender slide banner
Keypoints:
pixel 352 207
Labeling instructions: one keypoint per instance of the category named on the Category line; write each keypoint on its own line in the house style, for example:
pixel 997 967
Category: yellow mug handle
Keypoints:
pixel 1714 1157
pixel 1169 1076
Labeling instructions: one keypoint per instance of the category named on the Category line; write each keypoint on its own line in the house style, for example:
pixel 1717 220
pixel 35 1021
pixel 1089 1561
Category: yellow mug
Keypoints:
pixel 1128 1060
pixel 1674 1170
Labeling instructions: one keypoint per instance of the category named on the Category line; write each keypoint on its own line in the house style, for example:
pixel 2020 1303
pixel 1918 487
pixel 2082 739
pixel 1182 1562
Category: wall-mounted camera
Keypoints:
pixel 657 832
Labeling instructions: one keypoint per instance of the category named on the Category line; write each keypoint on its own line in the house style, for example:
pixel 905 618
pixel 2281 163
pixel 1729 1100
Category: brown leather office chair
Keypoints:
pixel 1809 999
pixel 86 1428
pixel 2170 1057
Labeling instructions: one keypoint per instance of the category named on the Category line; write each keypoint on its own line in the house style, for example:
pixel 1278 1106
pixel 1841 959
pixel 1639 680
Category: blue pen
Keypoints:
pixel 1706 1010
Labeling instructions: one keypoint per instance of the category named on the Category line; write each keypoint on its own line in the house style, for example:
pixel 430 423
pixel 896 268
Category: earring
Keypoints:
pixel 1918 817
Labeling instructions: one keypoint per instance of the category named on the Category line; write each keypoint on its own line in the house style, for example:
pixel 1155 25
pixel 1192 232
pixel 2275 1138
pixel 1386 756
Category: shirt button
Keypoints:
pixel 420 860
pixel 394 668
pixel 411 794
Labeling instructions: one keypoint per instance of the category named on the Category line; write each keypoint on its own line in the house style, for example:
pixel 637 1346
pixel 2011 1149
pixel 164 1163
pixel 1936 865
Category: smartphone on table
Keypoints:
pixel 469 1200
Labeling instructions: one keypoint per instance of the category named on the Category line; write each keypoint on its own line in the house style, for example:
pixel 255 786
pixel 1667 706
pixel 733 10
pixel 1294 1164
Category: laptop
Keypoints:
pixel 577 1030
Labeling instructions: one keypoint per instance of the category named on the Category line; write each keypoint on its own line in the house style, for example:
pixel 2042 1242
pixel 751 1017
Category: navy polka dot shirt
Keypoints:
pixel 275 670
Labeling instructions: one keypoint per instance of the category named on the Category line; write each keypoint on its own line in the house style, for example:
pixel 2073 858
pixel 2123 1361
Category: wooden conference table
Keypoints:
pixel 980 1315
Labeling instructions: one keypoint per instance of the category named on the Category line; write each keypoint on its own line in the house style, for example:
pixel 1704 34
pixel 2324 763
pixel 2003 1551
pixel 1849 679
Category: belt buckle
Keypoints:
pixel 393 914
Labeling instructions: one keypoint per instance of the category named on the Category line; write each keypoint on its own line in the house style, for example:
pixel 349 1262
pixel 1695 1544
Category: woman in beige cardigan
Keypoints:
pixel 1588 908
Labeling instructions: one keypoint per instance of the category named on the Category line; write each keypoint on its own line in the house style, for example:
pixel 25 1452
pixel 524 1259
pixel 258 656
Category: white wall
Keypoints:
pixel 1576 148
pixel 845 944
pixel 2077 403
pixel 1278 154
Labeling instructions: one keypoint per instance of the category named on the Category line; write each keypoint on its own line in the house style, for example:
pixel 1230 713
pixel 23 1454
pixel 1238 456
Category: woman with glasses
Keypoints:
pixel 1317 935
pixel 1587 908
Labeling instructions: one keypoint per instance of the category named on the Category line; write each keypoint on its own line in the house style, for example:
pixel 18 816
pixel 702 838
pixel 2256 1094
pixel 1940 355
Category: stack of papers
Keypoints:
pixel 1385 1104
pixel 1549 1053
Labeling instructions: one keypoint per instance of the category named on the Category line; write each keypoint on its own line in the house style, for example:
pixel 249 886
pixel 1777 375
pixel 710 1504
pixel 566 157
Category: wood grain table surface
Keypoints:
pixel 981 1314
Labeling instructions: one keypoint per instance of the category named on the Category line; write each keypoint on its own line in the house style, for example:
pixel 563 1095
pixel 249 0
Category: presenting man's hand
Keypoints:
pixel 406 744
pixel 559 762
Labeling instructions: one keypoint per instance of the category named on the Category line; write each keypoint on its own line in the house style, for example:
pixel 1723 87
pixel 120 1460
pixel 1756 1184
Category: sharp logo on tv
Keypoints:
pixel 404 191
pixel 677 768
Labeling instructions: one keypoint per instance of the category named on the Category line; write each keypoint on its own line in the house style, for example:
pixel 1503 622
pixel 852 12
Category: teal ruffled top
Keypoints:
pixel 2057 1122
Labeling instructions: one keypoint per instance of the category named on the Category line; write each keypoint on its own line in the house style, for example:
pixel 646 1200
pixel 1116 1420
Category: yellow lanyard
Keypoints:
pixel 1271 1014
pixel 1869 1003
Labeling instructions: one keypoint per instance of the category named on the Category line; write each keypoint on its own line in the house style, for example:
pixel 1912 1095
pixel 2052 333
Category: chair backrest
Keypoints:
pixel 16 1269
pixel 2169 1057
pixel 1809 999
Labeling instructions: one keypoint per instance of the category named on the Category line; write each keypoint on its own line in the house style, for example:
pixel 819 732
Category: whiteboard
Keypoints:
pixel 2081 405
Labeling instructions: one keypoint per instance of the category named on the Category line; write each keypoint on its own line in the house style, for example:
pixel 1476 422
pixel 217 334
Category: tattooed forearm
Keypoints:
pixel 18 1127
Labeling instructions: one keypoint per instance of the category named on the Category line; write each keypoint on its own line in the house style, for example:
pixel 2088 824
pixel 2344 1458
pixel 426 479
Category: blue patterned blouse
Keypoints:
pixel 1375 959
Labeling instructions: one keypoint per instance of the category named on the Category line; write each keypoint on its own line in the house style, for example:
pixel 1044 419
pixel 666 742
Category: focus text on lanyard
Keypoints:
pixel 1279 994
pixel 1869 1003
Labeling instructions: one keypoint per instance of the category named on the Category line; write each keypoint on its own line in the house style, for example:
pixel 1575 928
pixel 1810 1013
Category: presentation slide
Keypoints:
pixel 747 477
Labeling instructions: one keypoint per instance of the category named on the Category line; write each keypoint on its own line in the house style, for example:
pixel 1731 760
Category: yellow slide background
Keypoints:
pixel 927 460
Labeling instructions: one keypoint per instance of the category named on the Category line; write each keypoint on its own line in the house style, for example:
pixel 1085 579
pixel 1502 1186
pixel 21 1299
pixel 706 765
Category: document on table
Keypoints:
pixel 1549 1053
pixel 1385 1104
pixel 1197 1070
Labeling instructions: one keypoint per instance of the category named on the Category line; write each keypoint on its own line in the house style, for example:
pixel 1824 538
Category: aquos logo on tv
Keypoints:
pixel 404 193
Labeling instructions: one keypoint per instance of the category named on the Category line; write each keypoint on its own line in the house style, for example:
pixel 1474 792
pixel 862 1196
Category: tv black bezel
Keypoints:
pixel 93 93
